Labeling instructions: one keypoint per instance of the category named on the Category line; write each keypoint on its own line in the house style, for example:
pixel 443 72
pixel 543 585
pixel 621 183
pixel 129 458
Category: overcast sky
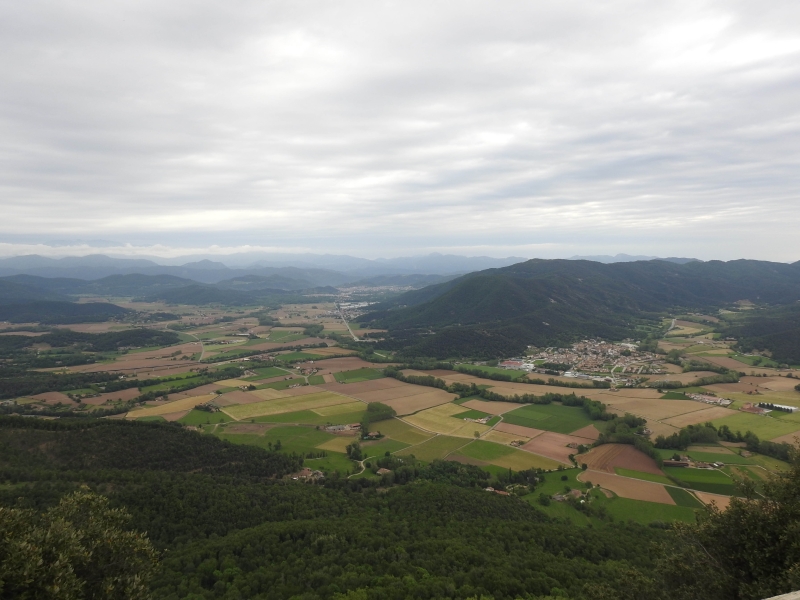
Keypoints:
pixel 535 129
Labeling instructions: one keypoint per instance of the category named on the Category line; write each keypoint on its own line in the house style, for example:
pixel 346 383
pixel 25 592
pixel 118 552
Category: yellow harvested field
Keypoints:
pixel 659 428
pixel 338 444
pixel 340 409
pixel 282 405
pixel 624 487
pixel 232 383
pixel 722 502
pixel 700 416
pixel 269 394
pixel 790 438
pixel 170 407
pixel 656 410
pixel 412 404
pixel 468 430
pixel 520 461
pixel 440 420
pixel 403 432
pixel 492 408
pixel 503 438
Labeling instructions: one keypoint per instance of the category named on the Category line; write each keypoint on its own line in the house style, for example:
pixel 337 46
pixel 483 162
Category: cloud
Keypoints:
pixel 554 128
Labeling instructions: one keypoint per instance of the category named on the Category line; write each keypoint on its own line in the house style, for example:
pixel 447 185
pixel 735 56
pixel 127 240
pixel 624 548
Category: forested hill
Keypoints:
pixel 546 302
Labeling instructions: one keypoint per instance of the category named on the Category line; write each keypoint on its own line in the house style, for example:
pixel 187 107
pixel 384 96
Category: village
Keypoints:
pixel 590 359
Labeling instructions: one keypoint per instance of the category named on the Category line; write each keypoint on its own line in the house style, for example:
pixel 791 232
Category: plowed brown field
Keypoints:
pixel 553 445
pixel 606 457
pixel 589 432
pixel 624 487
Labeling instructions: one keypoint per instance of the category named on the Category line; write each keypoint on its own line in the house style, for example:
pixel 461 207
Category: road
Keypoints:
pixel 346 324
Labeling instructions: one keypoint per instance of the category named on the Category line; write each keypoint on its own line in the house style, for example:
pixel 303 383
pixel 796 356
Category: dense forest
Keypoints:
pixel 227 523
pixel 498 312
pixel 776 330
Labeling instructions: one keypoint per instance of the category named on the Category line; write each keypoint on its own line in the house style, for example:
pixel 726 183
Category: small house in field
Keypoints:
pixel 383 471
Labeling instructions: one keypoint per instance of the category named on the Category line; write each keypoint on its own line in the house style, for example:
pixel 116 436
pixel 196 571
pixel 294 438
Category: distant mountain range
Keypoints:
pixel 297 271
pixel 605 258
pixel 498 312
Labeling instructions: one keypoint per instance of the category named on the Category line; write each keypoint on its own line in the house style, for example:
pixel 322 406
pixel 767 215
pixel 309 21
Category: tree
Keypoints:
pixel 746 552
pixel 78 549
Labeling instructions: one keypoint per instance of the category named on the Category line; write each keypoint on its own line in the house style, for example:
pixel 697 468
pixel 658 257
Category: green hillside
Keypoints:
pixel 549 302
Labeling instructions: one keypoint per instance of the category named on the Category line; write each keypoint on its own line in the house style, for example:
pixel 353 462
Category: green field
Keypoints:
pixel 436 447
pixel 704 480
pixel 684 498
pixel 550 417
pixel 624 509
pixel 201 417
pixel 293 439
pixel 506 457
pixel 486 451
pixel 674 396
pixel 765 427
pixel 333 462
pixel 640 475
pixel 365 374
pixel 316 380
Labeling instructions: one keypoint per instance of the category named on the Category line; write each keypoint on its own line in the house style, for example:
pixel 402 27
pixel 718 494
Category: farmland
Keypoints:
pixel 436 447
pixel 440 419
pixel 550 417
pixel 286 404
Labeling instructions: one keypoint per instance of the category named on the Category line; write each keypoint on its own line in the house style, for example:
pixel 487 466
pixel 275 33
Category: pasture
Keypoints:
pixel 403 432
pixel 436 447
pixel 622 472
pixel 704 480
pixel 506 457
pixel 550 417
pixel 358 375
pixel 764 426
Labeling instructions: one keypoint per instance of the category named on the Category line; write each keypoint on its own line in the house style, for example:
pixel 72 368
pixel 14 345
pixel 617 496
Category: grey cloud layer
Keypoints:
pixel 663 128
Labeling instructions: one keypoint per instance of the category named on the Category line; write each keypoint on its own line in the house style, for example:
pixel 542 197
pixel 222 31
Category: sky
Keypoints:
pixel 380 129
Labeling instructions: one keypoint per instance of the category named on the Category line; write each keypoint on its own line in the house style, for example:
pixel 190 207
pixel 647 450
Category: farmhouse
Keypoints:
pixel 752 408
